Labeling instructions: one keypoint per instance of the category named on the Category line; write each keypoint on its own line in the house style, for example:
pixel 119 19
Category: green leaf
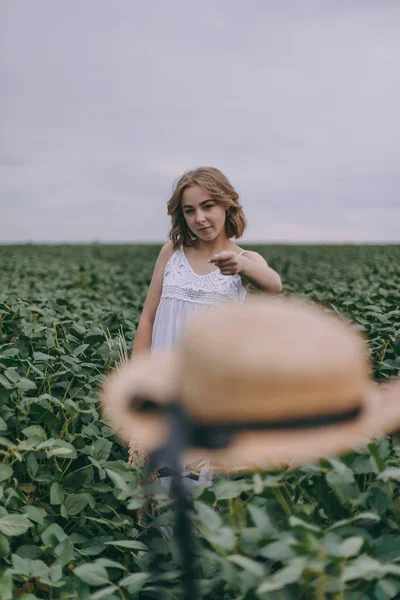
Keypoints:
pixel 207 516
pixel 34 513
pixel 65 552
pixel 26 384
pixel 365 567
pixel 75 503
pixel 12 374
pixel 136 503
pixel 92 574
pixel 387 548
pixel 362 464
pixel 106 562
pixel 63 452
pixel 55 572
pixel 247 564
pixel 6 585
pixel 34 431
pixel 13 525
pixel 290 574
pixel 100 450
pixel 7 443
pixel 68 359
pixel 379 499
pixel 53 535
pixel 131 544
pixel 79 349
pixel 32 465
pixel 117 480
pixel 376 457
pixel 5 383
pixel 5 472
pixel 299 522
pixel 280 550
pixel 42 357
pixel 222 537
pixel 261 519
pixel 258 484
pixel 104 593
pixel 341 479
pixel 4 546
pixel 351 546
pixel 135 581
pixel 29 551
pixel 364 516
pixel 390 473
pixel 230 489
pixel 9 353
pixel 386 589
pixel 20 565
pixel 56 495
pixel 63 449
pixel 94 547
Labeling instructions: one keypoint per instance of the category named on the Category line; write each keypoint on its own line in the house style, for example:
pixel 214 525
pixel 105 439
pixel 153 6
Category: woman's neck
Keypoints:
pixel 212 247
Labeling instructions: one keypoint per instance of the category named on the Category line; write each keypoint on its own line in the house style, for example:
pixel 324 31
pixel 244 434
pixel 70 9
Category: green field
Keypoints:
pixel 68 500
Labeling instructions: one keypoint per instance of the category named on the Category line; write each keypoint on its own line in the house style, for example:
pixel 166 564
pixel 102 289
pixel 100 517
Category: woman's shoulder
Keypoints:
pixel 249 253
pixel 167 250
pixel 165 254
pixel 239 250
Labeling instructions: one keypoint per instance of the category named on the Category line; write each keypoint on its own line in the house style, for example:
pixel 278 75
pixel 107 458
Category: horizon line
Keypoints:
pixel 155 243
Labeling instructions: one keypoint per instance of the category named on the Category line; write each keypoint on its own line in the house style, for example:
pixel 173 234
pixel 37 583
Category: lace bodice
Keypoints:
pixel 182 283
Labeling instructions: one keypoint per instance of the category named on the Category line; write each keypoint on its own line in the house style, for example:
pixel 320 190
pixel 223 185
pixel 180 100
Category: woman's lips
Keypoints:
pixel 206 229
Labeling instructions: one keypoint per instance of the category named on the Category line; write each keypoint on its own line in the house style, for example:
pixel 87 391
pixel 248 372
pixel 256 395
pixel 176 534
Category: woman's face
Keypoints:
pixel 204 216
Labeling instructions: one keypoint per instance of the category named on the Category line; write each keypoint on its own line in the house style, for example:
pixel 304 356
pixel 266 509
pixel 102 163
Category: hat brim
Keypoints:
pixel 274 450
pixel 248 451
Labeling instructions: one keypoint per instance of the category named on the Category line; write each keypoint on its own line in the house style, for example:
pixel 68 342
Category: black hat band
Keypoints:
pixel 219 435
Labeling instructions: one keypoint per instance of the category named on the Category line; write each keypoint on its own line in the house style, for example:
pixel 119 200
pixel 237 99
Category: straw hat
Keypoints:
pixel 258 385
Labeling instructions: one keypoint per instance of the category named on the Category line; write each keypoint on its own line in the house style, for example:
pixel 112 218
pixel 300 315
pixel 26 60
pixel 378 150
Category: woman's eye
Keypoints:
pixel 188 212
pixel 207 206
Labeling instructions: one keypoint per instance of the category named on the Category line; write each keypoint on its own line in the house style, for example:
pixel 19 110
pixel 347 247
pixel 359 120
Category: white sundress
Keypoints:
pixel 184 293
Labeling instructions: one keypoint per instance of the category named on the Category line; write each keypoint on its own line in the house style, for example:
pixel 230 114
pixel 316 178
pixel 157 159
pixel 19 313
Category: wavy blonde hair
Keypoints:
pixel 220 190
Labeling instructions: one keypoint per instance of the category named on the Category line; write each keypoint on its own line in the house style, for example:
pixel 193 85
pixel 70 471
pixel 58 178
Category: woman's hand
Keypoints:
pixel 228 261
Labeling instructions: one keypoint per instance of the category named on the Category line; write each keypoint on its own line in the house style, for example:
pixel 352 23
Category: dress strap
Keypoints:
pixel 242 252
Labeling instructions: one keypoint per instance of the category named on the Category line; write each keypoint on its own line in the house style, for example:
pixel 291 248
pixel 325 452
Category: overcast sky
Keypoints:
pixel 105 103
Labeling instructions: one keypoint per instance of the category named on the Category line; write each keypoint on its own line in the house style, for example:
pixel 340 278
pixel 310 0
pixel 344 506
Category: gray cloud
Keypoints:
pixel 106 104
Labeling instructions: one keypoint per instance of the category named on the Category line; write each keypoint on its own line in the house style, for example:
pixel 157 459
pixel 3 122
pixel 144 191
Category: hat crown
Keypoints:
pixel 270 359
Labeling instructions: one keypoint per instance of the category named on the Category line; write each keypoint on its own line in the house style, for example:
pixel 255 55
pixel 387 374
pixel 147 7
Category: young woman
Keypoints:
pixel 199 267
